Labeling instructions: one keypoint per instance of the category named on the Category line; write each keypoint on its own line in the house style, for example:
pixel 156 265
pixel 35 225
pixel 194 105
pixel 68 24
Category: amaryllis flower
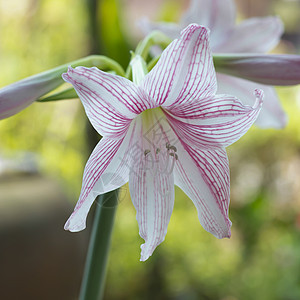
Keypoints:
pixel 255 35
pixel 167 127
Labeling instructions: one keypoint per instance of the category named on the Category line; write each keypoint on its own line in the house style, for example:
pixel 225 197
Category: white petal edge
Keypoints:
pixel 110 101
pixel 217 15
pixel 272 114
pixel 215 122
pixel 151 181
pixel 185 70
pixel 255 35
pixel 204 177
pixel 152 195
pixel 106 170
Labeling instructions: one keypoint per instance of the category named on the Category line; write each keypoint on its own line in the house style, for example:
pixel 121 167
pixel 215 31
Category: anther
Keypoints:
pixel 147 151
pixel 174 155
pixel 173 148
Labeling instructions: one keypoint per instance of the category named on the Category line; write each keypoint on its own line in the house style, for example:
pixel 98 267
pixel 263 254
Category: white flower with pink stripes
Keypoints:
pixel 166 128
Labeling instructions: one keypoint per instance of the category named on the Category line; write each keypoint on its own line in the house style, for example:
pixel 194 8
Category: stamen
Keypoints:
pixel 147 151
pixel 174 155
pixel 173 148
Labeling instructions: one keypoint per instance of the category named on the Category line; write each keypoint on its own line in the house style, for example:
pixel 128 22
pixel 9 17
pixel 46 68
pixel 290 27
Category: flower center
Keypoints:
pixel 159 153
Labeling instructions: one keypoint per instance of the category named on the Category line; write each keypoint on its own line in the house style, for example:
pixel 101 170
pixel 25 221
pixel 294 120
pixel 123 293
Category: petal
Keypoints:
pixel 152 194
pixel 151 182
pixel 255 35
pixel 272 114
pixel 107 169
pixel 217 15
pixel 215 122
pixel 185 70
pixel 204 177
pixel 110 101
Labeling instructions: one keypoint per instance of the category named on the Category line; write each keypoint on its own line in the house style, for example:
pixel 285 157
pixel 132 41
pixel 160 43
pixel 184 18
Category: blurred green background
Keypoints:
pixel 44 148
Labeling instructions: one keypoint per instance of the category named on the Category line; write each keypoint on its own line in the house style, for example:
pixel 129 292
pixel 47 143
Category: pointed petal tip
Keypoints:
pixel 148 248
pixel 144 258
pixel 74 226
pixel 66 76
pixel 223 235
pixel 193 27
pixel 273 22
pixel 228 235
pixel 223 232
pixel 146 251
pixel 70 69
pixel 279 23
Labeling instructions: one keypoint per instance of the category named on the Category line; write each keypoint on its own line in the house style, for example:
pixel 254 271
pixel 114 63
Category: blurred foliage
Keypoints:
pixel 113 40
pixel 36 36
pixel 260 261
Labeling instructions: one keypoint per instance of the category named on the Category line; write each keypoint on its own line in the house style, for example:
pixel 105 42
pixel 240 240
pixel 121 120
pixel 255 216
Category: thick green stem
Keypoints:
pixel 92 286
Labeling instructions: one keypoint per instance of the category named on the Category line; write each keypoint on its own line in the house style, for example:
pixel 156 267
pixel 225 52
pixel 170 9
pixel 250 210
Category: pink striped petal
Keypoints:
pixel 217 15
pixel 204 177
pixel 151 182
pixel 152 195
pixel 110 101
pixel 107 169
pixel 185 70
pixel 272 114
pixel 214 122
pixel 255 35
